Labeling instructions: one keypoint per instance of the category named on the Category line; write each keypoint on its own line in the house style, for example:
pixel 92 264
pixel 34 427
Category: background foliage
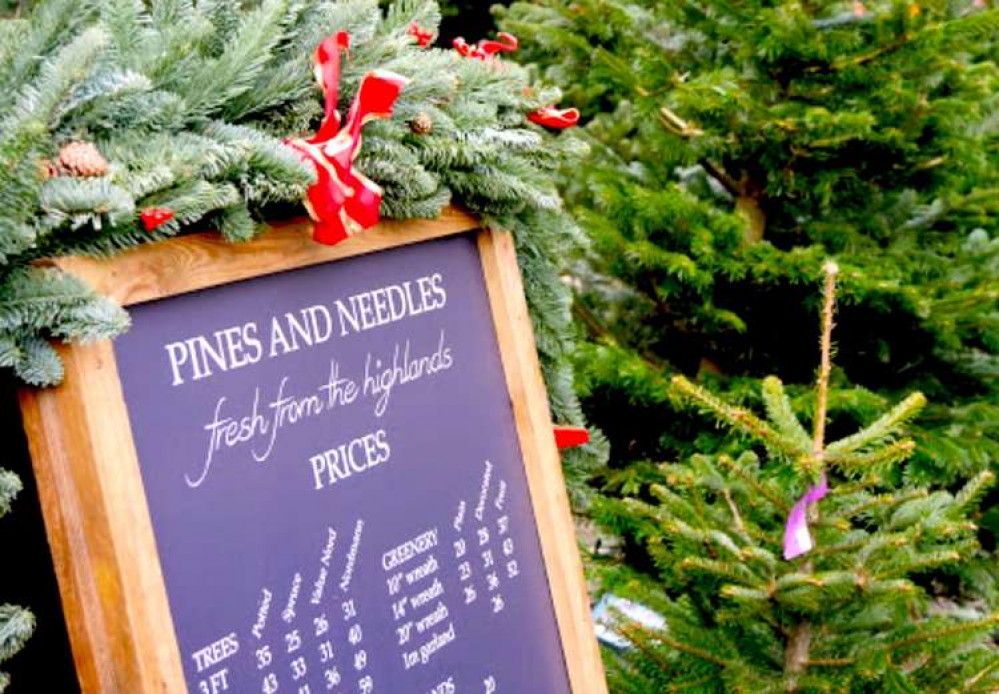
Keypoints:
pixel 734 148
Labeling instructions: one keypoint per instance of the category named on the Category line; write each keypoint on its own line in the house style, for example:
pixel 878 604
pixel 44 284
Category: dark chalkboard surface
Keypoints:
pixel 335 482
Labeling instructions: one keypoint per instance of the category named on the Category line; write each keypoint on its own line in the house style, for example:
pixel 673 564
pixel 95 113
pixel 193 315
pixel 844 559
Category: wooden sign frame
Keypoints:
pixel 84 457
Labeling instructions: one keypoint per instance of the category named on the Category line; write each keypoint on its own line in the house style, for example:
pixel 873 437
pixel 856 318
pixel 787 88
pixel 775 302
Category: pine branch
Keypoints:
pixel 740 419
pixel 986 624
pixel 882 429
pixel 750 479
pixel 884 456
pixel 10 486
pixel 635 633
pixel 970 495
pixel 781 415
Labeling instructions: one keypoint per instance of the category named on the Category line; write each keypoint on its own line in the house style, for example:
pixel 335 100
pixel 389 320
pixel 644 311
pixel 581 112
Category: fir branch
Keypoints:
pixel 16 626
pixel 10 487
pixel 636 632
pixel 922 562
pixel 830 662
pixel 971 494
pixel 884 456
pixel 738 418
pixel 882 429
pixel 973 681
pixel 676 125
pixel 781 415
pixel 883 502
pixel 985 624
pixel 731 571
pixel 750 479
pixel 39 364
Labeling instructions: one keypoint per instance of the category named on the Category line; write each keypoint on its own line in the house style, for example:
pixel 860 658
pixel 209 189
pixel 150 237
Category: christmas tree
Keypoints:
pixel 840 604
pixel 735 146
pixel 16 624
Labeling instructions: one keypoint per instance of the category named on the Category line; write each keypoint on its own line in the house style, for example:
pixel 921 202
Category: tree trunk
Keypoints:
pixel 796 651
pixel 751 211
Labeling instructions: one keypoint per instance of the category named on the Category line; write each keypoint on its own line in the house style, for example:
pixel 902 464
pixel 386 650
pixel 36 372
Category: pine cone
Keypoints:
pixel 82 159
pixel 422 124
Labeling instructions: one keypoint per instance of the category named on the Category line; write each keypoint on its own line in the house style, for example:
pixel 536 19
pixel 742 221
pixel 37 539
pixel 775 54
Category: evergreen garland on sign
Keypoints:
pixel 136 121
pixel 845 612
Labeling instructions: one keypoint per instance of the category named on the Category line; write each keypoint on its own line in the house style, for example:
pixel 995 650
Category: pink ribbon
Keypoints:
pixel 797 539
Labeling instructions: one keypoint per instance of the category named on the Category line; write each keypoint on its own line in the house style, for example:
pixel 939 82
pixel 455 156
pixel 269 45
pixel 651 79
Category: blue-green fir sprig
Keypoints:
pixel 16 623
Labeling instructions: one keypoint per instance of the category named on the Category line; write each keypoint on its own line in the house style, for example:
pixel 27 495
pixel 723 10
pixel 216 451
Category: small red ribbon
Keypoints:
pixel 343 201
pixel 570 437
pixel 487 48
pixel 153 217
pixel 424 37
pixel 551 117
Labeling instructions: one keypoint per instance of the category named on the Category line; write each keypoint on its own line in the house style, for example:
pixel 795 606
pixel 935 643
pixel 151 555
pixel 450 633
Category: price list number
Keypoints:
pixel 321 624
pixel 264 657
pixel 216 683
pixel 465 572
pixel 332 677
pixel 355 637
pixel 299 669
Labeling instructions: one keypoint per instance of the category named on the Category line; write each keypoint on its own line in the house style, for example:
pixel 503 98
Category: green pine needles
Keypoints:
pixel 855 614
pixel 16 624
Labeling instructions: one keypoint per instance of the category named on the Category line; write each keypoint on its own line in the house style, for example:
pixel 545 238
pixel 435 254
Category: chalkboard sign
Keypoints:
pixel 310 469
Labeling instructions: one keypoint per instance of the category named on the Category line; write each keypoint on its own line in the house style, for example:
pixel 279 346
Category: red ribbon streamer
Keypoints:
pixel 487 48
pixel 424 37
pixel 343 201
pixel 507 43
pixel 570 437
pixel 551 117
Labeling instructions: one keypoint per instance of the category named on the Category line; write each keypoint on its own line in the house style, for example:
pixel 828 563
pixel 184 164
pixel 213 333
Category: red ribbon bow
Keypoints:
pixel 551 117
pixel 343 201
pixel 155 217
pixel 487 48
pixel 424 37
